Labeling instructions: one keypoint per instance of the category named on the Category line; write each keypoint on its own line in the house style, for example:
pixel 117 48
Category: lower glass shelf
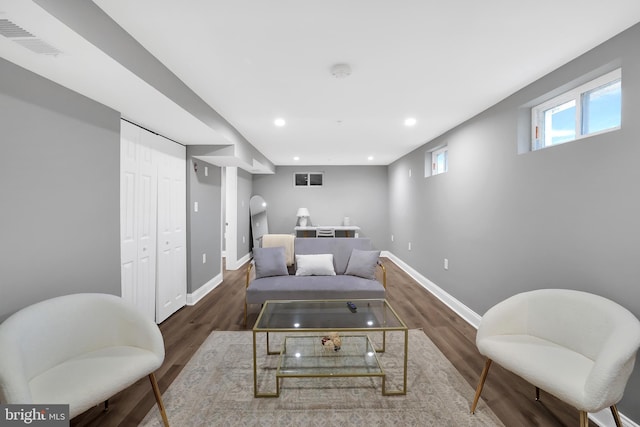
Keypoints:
pixel 306 356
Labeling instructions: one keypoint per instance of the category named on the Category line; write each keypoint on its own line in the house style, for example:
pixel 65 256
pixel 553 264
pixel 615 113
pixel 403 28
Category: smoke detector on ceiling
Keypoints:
pixel 340 71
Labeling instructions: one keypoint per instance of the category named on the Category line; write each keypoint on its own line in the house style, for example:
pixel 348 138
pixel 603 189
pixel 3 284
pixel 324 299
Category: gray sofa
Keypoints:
pixel 354 262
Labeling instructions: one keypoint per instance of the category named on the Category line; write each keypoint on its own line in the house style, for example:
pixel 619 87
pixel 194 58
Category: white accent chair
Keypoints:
pixel 78 349
pixel 574 345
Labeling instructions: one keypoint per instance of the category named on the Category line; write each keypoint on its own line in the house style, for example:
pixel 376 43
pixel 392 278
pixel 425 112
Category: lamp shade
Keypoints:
pixel 302 212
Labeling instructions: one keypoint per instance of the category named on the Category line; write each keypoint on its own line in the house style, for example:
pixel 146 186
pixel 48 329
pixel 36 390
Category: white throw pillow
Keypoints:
pixel 315 265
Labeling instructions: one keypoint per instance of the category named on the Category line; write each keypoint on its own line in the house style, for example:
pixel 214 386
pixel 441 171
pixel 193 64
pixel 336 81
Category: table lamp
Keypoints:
pixel 303 215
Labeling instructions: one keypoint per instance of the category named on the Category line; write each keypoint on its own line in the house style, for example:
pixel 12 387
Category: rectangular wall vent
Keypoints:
pixel 9 29
pixel 26 39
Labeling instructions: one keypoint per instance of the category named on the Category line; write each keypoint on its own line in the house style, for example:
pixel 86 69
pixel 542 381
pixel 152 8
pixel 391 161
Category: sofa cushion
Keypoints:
pixel 552 367
pixel 315 265
pixel 92 377
pixel 363 264
pixel 313 287
pixel 270 262
pixel 340 247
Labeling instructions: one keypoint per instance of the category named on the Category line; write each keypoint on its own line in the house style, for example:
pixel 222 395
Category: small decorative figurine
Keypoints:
pixel 332 342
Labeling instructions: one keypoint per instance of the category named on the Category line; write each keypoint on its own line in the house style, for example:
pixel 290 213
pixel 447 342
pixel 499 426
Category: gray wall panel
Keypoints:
pixel 565 217
pixel 60 192
pixel 245 186
pixel 203 227
pixel 359 192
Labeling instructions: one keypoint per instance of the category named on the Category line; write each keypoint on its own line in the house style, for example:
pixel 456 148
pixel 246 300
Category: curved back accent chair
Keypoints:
pixel 577 346
pixel 78 349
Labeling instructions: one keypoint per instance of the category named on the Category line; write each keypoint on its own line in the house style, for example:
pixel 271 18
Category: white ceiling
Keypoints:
pixel 253 61
pixel 89 71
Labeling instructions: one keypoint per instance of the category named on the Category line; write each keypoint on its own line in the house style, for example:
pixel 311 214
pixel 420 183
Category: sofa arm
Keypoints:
pixel 384 274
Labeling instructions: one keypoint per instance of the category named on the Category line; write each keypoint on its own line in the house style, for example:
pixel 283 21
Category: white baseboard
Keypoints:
pixel 602 418
pixel 202 291
pixel 459 308
pixel 234 265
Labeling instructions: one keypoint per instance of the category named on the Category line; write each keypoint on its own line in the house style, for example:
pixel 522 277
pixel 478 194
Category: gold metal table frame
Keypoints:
pixel 304 318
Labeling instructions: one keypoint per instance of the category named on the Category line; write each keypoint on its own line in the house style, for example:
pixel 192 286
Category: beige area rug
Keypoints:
pixel 216 389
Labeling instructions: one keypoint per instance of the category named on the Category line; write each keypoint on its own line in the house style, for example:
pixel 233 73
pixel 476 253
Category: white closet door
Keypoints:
pixel 171 283
pixel 147 195
pixel 138 182
pixel 128 224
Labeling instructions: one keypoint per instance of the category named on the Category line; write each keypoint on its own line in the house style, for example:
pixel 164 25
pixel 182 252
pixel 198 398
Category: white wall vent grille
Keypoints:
pixel 9 29
pixel 25 39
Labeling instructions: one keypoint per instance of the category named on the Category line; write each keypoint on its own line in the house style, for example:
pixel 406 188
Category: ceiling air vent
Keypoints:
pixel 25 39
pixel 10 30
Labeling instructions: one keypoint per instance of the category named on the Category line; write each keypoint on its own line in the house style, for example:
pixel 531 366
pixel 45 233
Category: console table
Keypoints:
pixel 341 230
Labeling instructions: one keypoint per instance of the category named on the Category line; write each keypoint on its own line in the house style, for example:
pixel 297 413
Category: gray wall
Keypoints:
pixel 59 192
pixel 204 226
pixel 245 186
pixel 562 217
pixel 359 192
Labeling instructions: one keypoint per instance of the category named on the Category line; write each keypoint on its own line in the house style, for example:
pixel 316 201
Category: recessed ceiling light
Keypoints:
pixel 370 158
pixel 279 122
pixel 296 158
pixel 410 121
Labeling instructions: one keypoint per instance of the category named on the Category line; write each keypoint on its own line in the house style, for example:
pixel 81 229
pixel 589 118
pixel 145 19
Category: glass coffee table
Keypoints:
pixel 304 323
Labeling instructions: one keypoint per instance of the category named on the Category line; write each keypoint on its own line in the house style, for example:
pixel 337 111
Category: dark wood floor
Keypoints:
pixel 511 398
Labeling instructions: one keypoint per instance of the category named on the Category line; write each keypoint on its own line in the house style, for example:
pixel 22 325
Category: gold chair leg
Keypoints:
pixel 483 377
pixel 584 419
pixel 156 392
pixel 616 415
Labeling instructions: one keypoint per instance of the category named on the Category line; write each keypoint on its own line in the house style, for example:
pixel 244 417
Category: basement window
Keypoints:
pixel 590 109
pixel 308 179
pixel 436 161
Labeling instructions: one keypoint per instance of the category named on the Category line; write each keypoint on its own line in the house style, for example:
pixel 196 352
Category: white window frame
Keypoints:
pixel 538 112
pixel 308 184
pixel 434 163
